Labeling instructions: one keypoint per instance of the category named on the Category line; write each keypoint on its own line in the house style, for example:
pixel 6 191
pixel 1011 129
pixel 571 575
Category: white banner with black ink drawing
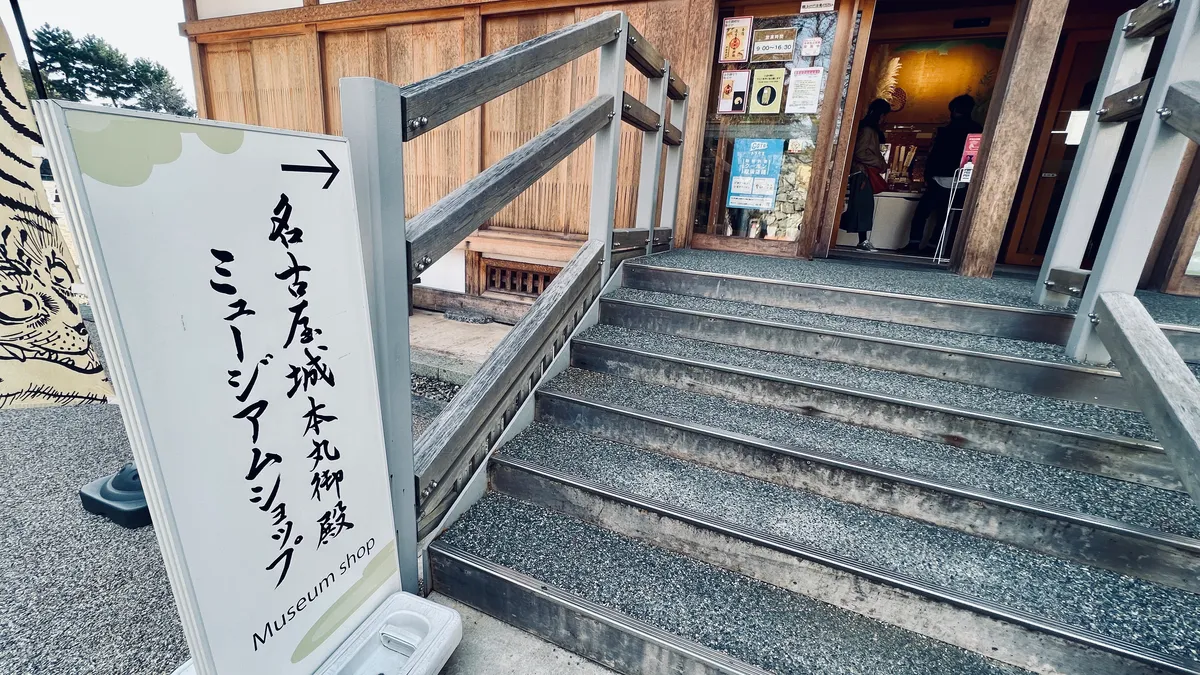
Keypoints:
pixel 227 273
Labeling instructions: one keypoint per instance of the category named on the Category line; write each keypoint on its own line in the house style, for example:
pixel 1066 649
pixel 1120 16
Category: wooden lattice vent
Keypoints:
pixel 517 278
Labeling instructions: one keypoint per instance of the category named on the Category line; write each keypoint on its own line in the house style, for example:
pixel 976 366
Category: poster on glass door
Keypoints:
pixel 804 93
pixel 754 175
pixel 735 85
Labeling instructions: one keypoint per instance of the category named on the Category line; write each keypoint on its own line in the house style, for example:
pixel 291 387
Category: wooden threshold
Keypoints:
pixel 773 247
pixel 500 310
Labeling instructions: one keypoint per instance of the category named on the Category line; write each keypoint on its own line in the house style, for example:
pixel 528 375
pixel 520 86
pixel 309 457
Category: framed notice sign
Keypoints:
pixel 754 173
pixel 227 275
pixel 804 93
pixel 735 39
pixel 773 44
pixel 735 87
pixel 766 94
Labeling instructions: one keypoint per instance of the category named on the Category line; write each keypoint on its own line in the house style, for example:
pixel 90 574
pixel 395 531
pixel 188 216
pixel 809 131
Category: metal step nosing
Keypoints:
pixel 1135 443
pixel 1004 358
pixel 864 570
pixel 862 291
pixel 622 622
pixel 1179 328
pixel 1049 512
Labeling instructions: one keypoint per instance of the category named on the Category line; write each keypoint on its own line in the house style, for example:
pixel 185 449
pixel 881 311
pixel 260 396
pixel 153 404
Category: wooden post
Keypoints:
pixel 1024 72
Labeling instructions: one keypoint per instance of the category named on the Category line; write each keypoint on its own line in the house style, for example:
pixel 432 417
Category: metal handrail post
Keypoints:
pixel 652 152
pixel 1145 189
pixel 377 158
pixel 606 149
pixel 1124 66
pixel 674 168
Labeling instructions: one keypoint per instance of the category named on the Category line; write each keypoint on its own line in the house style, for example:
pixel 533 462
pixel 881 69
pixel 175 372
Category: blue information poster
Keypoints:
pixel 755 173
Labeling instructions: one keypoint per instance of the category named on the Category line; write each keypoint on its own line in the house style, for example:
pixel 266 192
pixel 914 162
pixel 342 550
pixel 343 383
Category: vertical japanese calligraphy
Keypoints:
pixel 307 370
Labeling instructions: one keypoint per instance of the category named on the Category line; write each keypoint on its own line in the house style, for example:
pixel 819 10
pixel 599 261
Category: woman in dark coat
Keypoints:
pixel 860 215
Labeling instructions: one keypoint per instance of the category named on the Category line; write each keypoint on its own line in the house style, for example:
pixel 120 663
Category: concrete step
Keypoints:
pixel 1119 525
pixel 992 307
pixel 1106 441
pixel 638 609
pixel 1011 365
pixel 1020 607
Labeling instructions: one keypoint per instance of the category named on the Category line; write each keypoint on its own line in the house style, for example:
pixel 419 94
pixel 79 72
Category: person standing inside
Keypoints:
pixel 941 164
pixel 866 174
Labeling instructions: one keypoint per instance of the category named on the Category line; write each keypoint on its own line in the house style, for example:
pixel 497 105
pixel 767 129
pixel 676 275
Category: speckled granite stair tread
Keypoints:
pixel 751 621
pixel 1058 412
pixel 1162 619
pixel 880 276
pixel 1126 502
pixel 1025 349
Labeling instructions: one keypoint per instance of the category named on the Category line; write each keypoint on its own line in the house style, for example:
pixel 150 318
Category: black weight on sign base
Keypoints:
pixel 118 497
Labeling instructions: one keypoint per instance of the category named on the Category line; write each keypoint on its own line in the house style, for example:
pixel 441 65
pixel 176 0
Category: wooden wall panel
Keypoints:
pixel 230 87
pixel 285 83
pixel 557 202
pixel 277 77
pixel 360 53
pixel 432 163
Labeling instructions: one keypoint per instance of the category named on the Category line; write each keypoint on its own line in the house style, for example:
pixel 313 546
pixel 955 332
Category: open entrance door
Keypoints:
pixel 1056 141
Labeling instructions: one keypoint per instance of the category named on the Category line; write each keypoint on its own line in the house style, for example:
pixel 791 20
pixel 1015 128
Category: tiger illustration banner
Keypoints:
pixel 46 354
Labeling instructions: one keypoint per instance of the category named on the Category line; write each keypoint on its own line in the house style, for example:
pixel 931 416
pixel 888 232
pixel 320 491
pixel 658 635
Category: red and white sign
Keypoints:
pixel 971 149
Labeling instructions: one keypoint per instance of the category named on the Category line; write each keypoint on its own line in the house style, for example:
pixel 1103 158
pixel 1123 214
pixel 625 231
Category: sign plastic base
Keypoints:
pixel 406 634
pixel 118 497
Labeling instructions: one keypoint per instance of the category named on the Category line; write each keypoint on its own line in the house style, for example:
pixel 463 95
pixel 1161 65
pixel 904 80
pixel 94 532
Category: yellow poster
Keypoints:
pixel 735 39
pixel 766 94
pixel 46 353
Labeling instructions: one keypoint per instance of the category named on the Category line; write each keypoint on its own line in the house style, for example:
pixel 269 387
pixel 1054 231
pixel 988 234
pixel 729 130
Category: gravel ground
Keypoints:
pixel 78 594
pixel 423 411
pixel 880 276
pixel 893 331
pixel 1133 503
pixel 435 390
pixel 751 621
pixel 1161 619
pixel 1042 409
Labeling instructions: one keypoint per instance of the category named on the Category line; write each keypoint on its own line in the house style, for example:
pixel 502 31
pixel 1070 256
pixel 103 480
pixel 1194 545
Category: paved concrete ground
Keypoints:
pixel 493 647
pixel 450 350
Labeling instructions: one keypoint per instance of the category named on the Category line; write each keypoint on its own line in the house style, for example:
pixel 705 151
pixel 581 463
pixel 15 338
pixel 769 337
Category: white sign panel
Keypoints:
pixel 816 6
pixel 811 46
pixel 227 271
pixel 804 93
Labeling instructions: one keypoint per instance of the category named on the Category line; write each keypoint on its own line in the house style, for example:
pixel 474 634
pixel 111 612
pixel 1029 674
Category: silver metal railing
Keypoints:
pixel 1111 322
pixel 379 118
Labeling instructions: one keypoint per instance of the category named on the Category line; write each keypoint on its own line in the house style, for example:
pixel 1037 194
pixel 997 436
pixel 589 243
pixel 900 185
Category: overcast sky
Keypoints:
pixel 140 28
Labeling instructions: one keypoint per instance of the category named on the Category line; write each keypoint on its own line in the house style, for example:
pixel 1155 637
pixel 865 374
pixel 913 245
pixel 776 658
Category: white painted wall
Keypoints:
pixel 449 273
pixel 208 9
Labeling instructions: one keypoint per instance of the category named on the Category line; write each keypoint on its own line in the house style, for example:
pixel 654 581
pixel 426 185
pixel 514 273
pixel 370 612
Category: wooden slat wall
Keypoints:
pixel 290 81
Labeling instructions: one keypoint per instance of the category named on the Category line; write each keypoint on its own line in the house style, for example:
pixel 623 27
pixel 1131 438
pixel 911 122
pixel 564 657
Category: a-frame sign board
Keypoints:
pixel 226 271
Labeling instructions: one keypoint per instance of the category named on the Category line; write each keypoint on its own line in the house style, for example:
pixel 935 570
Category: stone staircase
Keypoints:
pixel 726 480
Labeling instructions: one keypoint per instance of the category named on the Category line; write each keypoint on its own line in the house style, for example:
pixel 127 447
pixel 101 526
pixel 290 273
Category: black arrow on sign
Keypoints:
pixel 331 169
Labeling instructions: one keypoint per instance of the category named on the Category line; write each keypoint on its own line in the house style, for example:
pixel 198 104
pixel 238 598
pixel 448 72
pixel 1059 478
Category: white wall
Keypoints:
pixel 449 273
pixel 207 9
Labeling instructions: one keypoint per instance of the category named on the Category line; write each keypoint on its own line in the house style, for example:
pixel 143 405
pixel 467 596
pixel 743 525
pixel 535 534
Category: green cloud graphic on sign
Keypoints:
pixel 123 151
pixel 374 575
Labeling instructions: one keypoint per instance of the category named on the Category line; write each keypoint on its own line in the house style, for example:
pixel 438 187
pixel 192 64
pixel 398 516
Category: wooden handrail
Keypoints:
pixel 458 439
pixel 442 226
pixel 1162 383
pixel 436 100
